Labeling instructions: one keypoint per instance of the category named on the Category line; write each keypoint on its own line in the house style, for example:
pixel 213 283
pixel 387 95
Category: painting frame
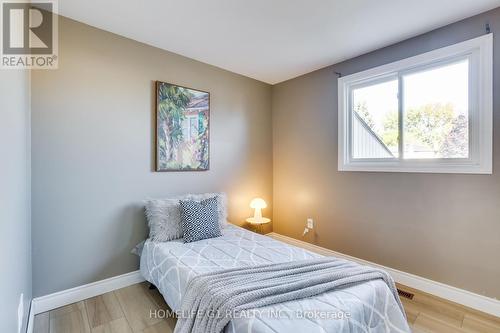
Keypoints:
pixel 159 163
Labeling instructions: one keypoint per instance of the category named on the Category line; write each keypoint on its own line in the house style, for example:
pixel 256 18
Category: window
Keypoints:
pixel 429 113
pixel 190 127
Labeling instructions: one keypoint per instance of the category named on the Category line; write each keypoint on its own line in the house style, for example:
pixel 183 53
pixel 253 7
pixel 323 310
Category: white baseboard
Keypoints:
pixel 69 296
pixel 453 294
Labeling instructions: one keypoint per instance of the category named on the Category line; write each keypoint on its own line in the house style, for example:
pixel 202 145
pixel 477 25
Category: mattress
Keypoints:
pixel 365 307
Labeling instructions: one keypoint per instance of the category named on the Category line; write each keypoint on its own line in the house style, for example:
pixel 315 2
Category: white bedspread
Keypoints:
pixel 367 307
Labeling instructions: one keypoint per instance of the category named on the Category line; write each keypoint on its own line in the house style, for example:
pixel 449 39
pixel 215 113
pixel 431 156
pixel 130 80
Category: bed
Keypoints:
pixel 366 307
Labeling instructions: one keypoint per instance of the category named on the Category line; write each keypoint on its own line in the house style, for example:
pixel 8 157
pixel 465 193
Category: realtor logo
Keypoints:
pixel 29 34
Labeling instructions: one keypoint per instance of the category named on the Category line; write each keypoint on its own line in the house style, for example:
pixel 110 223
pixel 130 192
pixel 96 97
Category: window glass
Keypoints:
pixel 436 112
pixel 375 121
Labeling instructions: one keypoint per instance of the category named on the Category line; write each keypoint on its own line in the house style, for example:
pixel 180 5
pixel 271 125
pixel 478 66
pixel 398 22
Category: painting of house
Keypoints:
pixel 182 128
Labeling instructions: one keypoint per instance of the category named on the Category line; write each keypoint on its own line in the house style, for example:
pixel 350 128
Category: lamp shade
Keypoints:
pixel 258 203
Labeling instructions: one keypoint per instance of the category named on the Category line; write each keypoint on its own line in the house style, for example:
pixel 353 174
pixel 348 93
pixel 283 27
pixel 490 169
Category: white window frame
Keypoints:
pixel 479 51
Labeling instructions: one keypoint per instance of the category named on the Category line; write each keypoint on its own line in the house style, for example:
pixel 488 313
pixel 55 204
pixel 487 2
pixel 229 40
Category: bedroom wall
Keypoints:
pixel 442 227
pixel 15 234
pixel 93 151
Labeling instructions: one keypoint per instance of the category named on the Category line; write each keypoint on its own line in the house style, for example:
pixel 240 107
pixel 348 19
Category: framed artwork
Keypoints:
pixel 182 128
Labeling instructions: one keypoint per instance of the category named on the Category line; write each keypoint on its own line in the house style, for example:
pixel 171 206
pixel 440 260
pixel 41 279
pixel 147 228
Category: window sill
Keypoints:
pixel 417 167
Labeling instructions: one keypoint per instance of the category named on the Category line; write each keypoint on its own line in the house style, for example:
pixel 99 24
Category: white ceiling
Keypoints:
pixel 271 40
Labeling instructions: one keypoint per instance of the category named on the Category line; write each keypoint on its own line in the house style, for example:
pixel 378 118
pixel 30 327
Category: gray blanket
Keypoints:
pixel 212 299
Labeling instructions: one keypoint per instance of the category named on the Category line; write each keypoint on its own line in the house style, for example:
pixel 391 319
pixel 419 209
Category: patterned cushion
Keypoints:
pixel 221 204
pixel 200 220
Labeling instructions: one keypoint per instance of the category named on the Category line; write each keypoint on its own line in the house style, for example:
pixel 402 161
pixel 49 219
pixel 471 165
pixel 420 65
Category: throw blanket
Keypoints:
pixel 211 298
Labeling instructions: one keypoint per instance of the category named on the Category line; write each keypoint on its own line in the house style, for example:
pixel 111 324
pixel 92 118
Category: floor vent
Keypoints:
pixel 405 294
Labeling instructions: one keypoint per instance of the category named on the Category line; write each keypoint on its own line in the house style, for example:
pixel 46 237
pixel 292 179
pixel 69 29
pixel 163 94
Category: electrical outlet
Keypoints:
pixel 310 223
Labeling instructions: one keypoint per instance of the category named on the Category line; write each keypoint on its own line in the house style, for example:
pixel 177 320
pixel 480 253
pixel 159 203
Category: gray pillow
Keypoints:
pixel 164 219
pixel 200 219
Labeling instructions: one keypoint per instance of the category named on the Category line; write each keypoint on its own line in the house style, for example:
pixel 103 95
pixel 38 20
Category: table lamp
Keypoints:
pixel 258 204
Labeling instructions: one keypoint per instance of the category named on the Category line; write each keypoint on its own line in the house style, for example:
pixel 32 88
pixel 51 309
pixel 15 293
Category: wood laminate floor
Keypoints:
pixel 128 310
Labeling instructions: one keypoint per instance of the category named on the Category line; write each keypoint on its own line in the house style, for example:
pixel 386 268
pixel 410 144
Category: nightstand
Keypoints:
pixel 258 223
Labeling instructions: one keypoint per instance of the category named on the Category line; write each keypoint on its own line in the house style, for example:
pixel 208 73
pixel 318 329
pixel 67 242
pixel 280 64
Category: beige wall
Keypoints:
pixel 442 227
pixel 93 159
pixel 93 151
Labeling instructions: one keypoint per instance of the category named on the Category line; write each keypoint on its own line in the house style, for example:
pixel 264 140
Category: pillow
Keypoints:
pixel 221 204
pixel 200 220
pixel 137 250
pixel 164 219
